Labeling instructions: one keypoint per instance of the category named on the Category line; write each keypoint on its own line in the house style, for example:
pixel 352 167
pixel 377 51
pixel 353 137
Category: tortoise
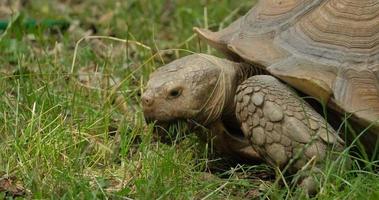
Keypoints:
pixel 327 49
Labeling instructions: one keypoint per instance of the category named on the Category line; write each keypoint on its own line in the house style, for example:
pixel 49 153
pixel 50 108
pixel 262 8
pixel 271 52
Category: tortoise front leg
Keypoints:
pixel 282 128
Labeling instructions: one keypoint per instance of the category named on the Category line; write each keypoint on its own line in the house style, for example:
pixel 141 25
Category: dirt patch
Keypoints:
pixel 12 187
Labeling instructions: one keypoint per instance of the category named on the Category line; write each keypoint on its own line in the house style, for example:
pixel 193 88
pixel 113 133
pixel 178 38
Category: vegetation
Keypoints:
pixel 71 125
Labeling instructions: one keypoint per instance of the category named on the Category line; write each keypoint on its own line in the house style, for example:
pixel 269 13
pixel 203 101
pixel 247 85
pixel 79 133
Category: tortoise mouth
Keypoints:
pixel 153 116
pixel 161 122
pixel 169 131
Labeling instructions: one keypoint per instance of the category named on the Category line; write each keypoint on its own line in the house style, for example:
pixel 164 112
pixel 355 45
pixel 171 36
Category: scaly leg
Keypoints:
pixel 282 128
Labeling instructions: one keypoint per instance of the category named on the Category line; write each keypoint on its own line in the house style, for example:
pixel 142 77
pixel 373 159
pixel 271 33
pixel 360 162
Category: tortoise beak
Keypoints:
pixel 147 99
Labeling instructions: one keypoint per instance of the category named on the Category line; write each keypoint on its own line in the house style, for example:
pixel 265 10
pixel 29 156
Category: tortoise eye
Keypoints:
pixel 174 93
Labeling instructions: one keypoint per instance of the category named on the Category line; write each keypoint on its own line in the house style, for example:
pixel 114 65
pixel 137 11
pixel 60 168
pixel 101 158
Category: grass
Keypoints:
pixel 77 132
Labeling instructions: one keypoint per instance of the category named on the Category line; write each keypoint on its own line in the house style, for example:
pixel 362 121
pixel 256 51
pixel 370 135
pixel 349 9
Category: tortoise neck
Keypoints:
pixel 245 71
pixel 221 99
pixel 240 72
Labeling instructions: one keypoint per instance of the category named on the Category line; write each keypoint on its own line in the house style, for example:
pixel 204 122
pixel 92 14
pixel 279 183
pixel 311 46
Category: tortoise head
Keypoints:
pixel 195 87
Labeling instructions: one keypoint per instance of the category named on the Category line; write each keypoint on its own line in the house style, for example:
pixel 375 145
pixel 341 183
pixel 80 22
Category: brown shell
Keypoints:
pixel 328 49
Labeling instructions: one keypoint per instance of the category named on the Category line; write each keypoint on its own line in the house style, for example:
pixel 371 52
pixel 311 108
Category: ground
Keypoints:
pixel 71 125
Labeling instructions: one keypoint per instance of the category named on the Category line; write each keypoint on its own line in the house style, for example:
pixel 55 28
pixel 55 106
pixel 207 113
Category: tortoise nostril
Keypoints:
pixel 147 100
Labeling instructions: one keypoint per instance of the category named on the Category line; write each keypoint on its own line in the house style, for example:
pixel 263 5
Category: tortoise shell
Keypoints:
pixel 328 49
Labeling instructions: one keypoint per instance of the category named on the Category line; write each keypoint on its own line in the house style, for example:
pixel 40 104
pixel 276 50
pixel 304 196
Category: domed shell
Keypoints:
pixel 328 49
